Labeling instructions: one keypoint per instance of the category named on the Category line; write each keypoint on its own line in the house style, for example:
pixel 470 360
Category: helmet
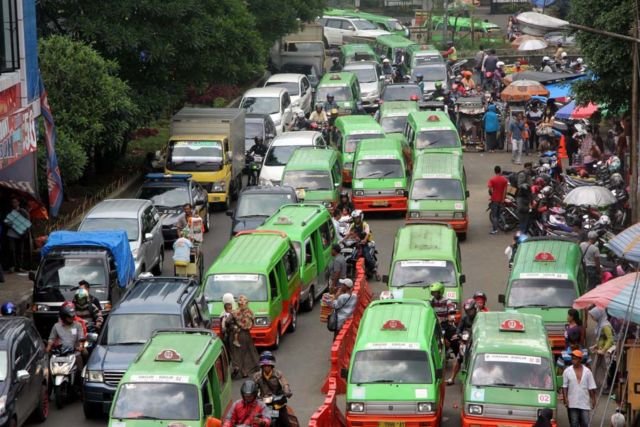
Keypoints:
pixel 67 311
pixel 592 235
pixel 470 304
pixel 488 74
pixel 437 287
pixel 524 187
pixel 499 64
pixel 8 309
pixel 467 73
pixel 319 106
pixel 563 55
pixel 617 180
pixel 539 181
pixel 329 96
pixel 249 388
pixel 546 190
pixel 438 85
pixel 344 193
pixel 546 59
pixel 300 114
pixel 613 164
pixel 419 76
pixel 267 359
pixel 81 297
pixel 579 61
pixel 604 220
pixel 334 59
pixel 386 61
pixel 480 294
pixel 450 43
pixel 357 213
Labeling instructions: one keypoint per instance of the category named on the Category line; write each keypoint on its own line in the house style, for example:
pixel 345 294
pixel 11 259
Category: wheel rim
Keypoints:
pixel 208 221
pixel 294 321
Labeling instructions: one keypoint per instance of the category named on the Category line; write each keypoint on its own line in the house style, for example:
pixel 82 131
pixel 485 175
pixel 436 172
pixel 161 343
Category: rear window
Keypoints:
pixel 378 168
pixel 437 189
pixel 437 139
pixel 423 273
pixel 391 366
pixel 541 293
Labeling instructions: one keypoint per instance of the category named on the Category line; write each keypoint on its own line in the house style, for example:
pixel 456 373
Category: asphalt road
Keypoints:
pixel 304 355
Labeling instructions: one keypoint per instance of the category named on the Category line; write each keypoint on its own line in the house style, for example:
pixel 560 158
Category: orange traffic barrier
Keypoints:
pixel 328 415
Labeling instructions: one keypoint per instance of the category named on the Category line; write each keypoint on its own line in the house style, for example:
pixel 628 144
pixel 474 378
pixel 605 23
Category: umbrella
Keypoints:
pixel 574 112
pixel 523 90
pixel 592 195
pixel 528 45
pixel 615 296
pixel 519 40
pixel 627 244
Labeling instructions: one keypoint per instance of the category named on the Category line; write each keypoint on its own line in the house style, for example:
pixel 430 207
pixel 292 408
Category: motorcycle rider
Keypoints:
pixel 248 410
pixel 318 115
pixel 420 82
pixel 451 54
pixel 439 92
pixel 258 147
pixel 94 300
pixel 439 303
pixel 344 202
pixel 331 103
pixel 387 69
pixel 546 65
pixel 467 81
pixel 68 333
pixel 271 382
pixel 481 301
pixel 300 122
pixel 86 310
pixel 9 309
pixel 470 311
pixel 360 230
pixel 335 65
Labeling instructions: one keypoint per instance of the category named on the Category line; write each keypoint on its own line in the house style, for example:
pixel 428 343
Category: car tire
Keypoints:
pixel 157 269
pixel 92 411
pixel 276 344
pixel 207 221
pixel 41 412
pixel 462 237
pixel 326 42
pixel 294 322
pixel 311 300
pixel 13 422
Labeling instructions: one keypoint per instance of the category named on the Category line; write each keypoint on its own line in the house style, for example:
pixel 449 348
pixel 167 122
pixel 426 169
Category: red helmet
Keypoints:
pixel 488 74
pixel 480 295
pixel 414 98
pixel 314 125
pixel 539 182
pixel 467 73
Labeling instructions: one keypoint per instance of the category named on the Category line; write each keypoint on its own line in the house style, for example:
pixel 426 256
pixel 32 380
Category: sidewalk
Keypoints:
pixel 18 289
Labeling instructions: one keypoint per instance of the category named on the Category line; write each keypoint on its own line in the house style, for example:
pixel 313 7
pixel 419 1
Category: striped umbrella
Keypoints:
pixel 616 297
pixel 626 244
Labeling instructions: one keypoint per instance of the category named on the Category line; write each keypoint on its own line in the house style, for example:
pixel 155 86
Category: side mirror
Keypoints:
pixel 466 193
pixel 463 278
pixel 385 278
pixel 501 299
pixel 229 155
pixel 350 28
pixel 229 213
pixel 208 408
pixel 439 373
pixel 32 276
pixel 92 337
pixel 382 78
pixel 22 376
pixel 270 136
pixel 336 184
pixel 344 373
pixel 148 237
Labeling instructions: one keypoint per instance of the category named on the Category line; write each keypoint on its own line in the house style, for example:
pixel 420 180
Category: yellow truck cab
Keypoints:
pixel 208 143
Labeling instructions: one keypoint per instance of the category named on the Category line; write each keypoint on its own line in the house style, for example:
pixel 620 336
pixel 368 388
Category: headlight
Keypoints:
pixel 356 407
pixel 262 321
pixel 414 214
pixel 459 215
pixel 425 407
pixel 358 193
pixel 94 376
pixel 219 186
pixel 348 166
pixel 399 192
pixel 327 204
pixel 474 409
pixel 42 307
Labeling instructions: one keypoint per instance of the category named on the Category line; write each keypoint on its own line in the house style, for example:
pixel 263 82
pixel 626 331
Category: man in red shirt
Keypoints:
pixel 497 191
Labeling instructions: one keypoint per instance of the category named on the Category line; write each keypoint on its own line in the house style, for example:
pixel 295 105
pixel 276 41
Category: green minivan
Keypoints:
pixel 315 174
pixel 388 45
pixel 431 131
pixel 345 90
pixel 181 377
pixel 312 233
pixel 546 277
pixel 424 254
pixel 395 376
pixel 356 52
pixel 380 176
pixel 350 131
pixel 393 117
pixel 509 376
pixel 439 192
pixel 262 265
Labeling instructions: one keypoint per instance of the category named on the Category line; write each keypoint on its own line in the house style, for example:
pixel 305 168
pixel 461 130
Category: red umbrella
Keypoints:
pixel 584 112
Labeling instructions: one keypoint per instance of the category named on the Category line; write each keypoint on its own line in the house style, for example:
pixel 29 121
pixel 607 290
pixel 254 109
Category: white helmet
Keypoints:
pixel 300 114
pixel 563 55
pixel 385 61
pixel 579 60
pixel 357 213
pixel 546 59
pixel 604 220
pixel 499 64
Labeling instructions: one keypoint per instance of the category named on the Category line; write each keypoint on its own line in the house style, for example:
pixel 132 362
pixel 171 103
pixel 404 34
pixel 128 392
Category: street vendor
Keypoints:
pixel 185 219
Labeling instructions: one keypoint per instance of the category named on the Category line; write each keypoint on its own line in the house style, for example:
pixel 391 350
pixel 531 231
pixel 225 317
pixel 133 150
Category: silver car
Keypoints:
pixel 141 221
pixel 370 78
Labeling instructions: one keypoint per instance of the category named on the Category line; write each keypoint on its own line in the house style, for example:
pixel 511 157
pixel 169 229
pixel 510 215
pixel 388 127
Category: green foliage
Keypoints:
pixel 609 58
pixel 91 106
pixel 275 18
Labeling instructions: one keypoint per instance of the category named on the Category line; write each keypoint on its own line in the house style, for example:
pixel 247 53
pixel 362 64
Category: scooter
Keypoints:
pixel 63 369
pixel 255 164
pixel 274 403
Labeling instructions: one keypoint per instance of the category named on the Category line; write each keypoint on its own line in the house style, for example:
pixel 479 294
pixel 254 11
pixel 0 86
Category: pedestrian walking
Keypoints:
pixel 523 197
pixel 491 125
pixel 534 116
pixel 578 391
pixel 515 136
pixel 337 268
pixel 497 191
pixel 245 356
pixel 477 67
pixel 591 259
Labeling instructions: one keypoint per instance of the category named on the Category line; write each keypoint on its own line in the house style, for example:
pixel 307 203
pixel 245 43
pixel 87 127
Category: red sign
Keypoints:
pixel 17 136
pixel 168 356
pixel 512 325
pixel 394 325
pixel 9 100
pixel 545 257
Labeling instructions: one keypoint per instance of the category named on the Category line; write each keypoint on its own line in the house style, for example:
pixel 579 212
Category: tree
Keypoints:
pixel 608 58
pixel 92 107
pixel 164 46
pixel 275 18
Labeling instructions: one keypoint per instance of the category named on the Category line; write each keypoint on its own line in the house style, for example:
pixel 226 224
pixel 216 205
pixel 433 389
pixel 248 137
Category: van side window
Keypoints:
pixel 290 263
pixel 273 283
pixel 206 396
pixel 327 232
pixel 338 140
pixel 308 252
pixel 195 315
pixel 221 369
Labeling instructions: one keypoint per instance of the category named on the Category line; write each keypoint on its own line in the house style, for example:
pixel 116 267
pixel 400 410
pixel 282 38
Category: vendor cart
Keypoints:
pixel 194 268
pixel 469 113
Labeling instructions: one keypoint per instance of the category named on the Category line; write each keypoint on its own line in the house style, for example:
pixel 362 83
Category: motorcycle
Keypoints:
pixel 274 403
pixel 63 370
pixel 352 250
pixel 508 215
pixel 255 164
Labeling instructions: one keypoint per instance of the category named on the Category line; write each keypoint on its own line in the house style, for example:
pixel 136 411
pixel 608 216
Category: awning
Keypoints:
pixel 573 112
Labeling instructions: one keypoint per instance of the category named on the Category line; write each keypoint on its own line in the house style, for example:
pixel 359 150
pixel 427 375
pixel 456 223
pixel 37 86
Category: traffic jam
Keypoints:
pixel 303 167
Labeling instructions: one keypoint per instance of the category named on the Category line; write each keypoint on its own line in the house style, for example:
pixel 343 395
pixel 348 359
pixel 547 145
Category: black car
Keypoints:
pixel 257 203
pixel 151 303
pixel 23 373
pixel 169 193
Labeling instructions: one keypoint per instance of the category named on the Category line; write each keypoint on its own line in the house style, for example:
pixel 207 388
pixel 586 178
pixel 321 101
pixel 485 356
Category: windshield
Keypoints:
pixel 120 332
pixel 364 75
pixel 392 366
pixel 353 139
pixel 195 155
pixel 279 155
pixel 171 197
pixel 393 124
pixel 292 87
pixel 340 93
pixel 303 47
pixel 437 139
pixel 400 93
pixel 542 292
pixel 423 273
pixel 157 401
pixel 262 105
pixel 253 286
pixel 130 225
pixel 437 189
pixel 362 24
pixel 379 168
pixel 511 370
pixel 261 204
pixel 432 73
pixel 3 365
pixel 309 180
pixel 67 272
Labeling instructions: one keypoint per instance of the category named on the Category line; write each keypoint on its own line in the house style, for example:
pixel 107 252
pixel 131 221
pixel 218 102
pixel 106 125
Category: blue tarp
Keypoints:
pixel 627 244
pixel 562 89
pixel 115 241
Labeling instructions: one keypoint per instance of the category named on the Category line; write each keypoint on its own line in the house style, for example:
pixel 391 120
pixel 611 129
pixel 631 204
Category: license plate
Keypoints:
pixel 391 424
pixel 347 250
pixel 380 203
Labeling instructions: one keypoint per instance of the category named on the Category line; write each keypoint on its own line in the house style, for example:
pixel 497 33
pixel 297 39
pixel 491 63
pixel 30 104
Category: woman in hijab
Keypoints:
pixel 245 356
pixel 604 331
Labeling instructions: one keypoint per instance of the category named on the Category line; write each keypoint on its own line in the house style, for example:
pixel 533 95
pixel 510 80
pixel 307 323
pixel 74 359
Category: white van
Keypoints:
pixel 274 101
pixel 281 150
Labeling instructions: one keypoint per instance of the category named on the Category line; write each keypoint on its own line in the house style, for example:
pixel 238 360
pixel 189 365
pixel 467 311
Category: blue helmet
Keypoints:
pixel 9 309
pixel 419 76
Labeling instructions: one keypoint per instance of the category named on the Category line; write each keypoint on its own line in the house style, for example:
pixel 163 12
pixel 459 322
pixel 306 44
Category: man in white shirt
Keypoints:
pixel 578 391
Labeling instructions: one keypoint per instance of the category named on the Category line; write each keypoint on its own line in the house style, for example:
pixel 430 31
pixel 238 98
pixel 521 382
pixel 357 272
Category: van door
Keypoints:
pixel 290 261
pixel 275 296
pixel 327 238
pixel 220 378
pixel 309 263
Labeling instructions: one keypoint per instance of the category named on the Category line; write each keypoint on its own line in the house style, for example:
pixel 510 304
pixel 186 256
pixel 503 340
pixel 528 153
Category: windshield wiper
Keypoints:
pixel 144 417
pixel 128 343
pixel 389 173
pixel 373 174
pixel 531 305
pixel 380 381
pixel 503 384
pixel 415 282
